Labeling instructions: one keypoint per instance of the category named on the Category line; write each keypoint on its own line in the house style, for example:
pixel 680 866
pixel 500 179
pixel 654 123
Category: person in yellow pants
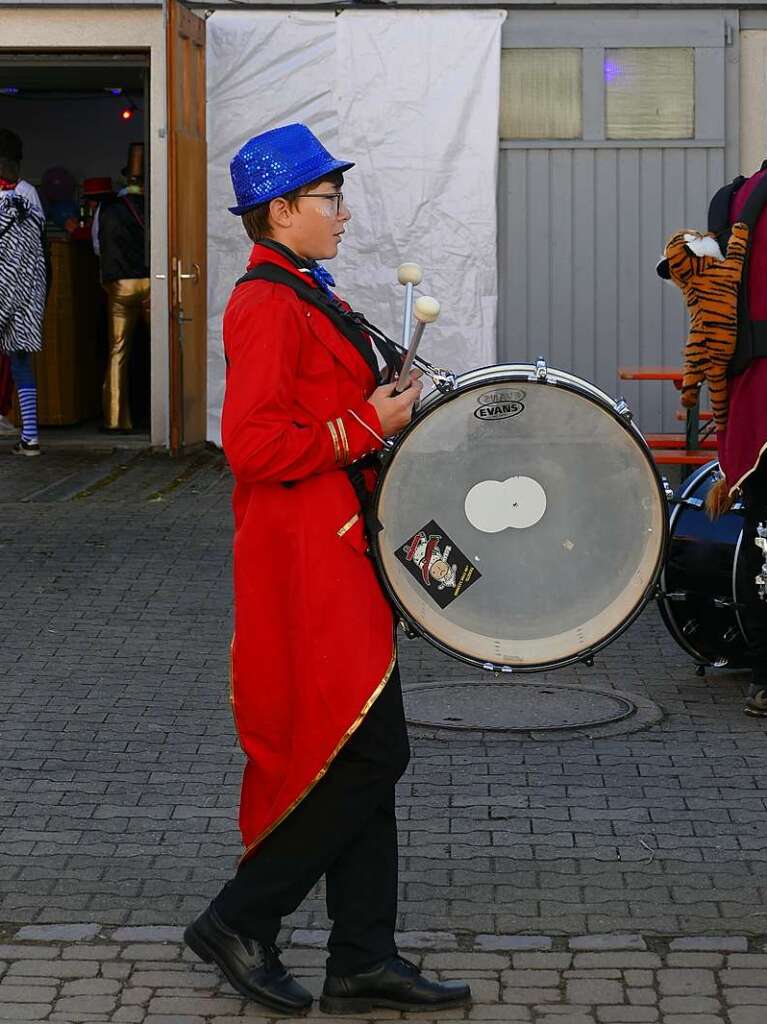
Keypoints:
pixel 125 277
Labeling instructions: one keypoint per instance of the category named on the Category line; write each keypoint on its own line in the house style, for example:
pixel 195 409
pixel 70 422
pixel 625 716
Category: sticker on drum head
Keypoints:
pixel 434 561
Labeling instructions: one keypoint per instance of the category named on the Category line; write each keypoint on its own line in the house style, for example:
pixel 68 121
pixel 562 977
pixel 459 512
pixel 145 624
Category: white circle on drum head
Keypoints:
pixel 495 505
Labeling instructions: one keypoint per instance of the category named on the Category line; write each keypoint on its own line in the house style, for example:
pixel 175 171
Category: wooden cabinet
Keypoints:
pixel 69 370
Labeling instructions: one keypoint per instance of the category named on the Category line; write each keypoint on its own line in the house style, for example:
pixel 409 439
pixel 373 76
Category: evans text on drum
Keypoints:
pixel 523 521
pixel 704 576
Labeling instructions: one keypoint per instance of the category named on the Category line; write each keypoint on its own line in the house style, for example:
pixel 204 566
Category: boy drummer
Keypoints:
pixel 315 688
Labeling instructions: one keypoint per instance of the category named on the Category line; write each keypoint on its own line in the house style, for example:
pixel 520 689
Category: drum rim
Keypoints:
pixel 667 615
pixel 528 371
pixel 665 606
pixel 570 383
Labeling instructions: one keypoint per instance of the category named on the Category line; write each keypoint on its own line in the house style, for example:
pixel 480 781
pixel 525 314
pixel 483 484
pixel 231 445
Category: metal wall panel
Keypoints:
pixel 581 230
pixel 614 28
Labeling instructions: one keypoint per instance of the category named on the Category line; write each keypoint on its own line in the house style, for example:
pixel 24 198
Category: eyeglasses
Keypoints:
pixel 338 196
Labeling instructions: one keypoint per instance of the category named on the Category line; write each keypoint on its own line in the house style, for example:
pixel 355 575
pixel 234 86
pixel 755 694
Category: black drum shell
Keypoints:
pixel 701 578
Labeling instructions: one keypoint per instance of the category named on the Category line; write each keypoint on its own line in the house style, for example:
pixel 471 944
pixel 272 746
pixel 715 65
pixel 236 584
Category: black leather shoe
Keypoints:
pixel 252 968
pixel 396 984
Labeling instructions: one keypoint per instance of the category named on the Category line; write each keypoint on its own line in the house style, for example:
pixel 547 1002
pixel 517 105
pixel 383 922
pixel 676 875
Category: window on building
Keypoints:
pixel 650 93
pixel 541 94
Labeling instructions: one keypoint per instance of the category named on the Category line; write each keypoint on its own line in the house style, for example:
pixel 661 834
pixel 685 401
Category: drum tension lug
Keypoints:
pixel 761 542
pixel 497 670
pixel 541 369
pixel 444 380
pixel 588 661
pixel 408 630
pixel 700 670
pixel 622 408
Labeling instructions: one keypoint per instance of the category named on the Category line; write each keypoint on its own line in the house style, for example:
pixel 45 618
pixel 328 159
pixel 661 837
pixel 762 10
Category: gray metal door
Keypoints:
pixel 582 221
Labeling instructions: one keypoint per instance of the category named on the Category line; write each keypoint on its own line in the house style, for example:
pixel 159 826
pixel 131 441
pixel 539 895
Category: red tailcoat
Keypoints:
pixel 743 440
pixel 313 643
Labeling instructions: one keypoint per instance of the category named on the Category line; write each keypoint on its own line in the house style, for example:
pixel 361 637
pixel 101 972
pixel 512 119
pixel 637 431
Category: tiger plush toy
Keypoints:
pixel 709 283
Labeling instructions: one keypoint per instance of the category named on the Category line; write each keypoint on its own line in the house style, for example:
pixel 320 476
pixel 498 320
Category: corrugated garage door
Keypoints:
pixel 613 135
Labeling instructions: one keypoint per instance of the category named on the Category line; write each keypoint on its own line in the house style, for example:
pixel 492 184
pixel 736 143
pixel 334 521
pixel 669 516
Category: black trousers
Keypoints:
pixel 344 829
pixel 754 609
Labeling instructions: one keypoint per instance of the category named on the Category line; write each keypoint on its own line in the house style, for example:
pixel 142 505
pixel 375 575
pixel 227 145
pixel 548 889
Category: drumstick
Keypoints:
pixel 426 312
pixel 409 274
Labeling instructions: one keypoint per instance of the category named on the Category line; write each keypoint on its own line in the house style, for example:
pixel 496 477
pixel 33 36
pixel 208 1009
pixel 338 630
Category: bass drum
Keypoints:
pixel 523 524
pixel 702 578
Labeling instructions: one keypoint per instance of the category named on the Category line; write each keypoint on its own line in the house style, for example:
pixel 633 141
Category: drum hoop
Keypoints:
pixel 568 382
pixel 666 606
pixel 525 371
pixel 735 559
pixel 666 610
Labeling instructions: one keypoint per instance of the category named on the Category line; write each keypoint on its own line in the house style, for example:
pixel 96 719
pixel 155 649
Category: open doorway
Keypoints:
pixel 83 122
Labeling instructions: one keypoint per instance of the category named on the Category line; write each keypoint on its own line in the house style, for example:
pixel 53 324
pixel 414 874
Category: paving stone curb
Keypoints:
pixel 88 972
pixel 316 938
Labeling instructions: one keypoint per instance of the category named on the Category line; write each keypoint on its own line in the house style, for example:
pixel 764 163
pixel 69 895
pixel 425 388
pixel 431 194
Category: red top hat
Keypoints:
pixel 93 187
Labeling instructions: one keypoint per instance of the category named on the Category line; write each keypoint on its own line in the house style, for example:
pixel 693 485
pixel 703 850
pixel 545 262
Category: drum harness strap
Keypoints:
pixel 354 327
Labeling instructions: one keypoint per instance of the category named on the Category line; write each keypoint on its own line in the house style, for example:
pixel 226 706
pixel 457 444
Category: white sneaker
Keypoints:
pixel 6 427
pixel 26 448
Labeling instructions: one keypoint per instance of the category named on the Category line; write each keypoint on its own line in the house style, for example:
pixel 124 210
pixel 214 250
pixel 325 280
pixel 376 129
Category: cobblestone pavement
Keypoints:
pixel 119 778
pixel 132 978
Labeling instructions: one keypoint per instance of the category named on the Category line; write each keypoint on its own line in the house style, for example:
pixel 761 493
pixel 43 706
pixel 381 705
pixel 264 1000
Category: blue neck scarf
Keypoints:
pixel 322 276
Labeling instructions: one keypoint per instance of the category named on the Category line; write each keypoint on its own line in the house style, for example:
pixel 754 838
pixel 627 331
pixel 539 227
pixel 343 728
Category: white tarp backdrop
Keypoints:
pixel 412 97
pixel 263 70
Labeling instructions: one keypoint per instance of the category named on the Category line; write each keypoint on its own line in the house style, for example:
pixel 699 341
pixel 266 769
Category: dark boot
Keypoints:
pixel 251 967
pixel 396 984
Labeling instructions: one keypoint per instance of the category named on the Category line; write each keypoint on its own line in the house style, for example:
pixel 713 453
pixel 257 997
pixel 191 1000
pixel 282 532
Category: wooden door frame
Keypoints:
pixel 194 26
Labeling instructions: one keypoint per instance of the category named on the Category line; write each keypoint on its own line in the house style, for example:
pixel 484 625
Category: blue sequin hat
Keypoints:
pixel 276 162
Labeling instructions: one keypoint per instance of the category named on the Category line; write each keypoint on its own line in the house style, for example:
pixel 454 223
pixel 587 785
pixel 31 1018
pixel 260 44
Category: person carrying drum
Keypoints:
pixel 742 443
pixel 315 689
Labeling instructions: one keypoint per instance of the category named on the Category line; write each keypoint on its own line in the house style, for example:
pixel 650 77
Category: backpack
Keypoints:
pixel 730 204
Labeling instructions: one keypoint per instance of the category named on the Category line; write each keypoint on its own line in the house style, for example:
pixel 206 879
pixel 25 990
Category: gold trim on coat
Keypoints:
pixel 344 439
pixel 344 739
pixel 347 526
pixel 231 683
pixel 336 445
pixel 736 487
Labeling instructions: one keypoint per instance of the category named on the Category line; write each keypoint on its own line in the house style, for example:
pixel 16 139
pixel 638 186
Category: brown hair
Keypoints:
pixel 9 169
pixel 256 220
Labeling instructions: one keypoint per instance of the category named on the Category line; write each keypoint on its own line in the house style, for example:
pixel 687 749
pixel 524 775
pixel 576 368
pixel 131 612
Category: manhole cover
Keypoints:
pixel 515 707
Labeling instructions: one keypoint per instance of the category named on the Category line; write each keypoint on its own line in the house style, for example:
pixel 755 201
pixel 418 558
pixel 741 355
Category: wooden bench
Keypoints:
pixel 672 373
pixel 682 457
pixel 678 441
pixel 683 449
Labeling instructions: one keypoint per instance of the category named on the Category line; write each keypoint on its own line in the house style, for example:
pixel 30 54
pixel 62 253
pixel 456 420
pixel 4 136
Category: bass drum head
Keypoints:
pixel 703 576
pixel 523 522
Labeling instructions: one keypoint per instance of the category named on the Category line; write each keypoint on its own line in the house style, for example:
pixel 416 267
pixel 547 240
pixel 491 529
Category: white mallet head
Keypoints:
pixel 426 309
pixel 409 273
